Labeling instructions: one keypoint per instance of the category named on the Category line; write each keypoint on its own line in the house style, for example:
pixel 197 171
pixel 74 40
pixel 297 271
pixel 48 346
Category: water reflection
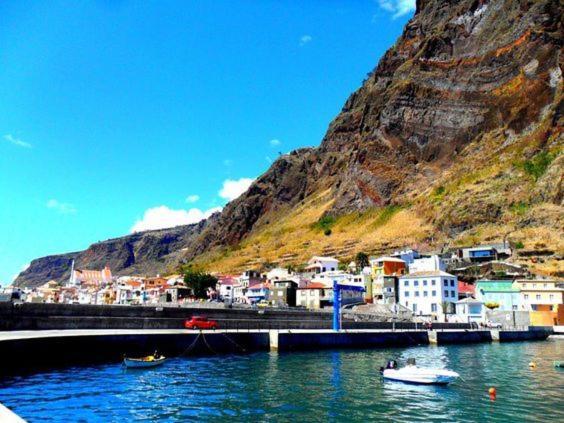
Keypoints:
pixel 316 386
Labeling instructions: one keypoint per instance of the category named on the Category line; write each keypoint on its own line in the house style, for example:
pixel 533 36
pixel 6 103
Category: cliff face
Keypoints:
pixel 446 128
pixel 137 254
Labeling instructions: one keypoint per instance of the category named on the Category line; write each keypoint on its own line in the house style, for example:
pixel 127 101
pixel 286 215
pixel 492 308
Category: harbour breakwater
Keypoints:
pixel 37 316
pixel 31 350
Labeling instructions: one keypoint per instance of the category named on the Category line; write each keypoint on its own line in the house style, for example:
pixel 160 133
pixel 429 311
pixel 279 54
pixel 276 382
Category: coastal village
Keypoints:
pixel 467 285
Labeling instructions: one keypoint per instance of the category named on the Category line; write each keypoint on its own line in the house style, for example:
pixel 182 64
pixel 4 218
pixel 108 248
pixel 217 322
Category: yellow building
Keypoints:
pixel 540 294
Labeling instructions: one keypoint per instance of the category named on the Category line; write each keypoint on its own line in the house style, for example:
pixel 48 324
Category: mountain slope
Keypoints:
pixel 455 137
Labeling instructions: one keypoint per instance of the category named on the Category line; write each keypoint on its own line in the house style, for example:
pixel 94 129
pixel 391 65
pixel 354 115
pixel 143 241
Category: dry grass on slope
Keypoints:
pixel 292 237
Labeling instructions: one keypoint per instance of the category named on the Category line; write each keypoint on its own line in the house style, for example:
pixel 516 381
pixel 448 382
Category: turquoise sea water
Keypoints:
pixel 299 387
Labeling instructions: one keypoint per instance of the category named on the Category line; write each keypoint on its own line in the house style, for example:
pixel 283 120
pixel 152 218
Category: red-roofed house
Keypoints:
pixel 226 285
pixel 465 290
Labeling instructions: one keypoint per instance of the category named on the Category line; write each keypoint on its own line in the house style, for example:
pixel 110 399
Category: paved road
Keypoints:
pixel 31 334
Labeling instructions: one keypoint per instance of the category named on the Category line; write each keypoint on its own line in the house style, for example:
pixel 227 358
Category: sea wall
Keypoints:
pixel 537 333
pixel 292 341
pixel 462 337
pixel 30 350
pixel 43 352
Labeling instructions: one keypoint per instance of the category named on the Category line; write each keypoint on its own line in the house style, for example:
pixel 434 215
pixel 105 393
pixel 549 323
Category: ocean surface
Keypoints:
pixel 331 386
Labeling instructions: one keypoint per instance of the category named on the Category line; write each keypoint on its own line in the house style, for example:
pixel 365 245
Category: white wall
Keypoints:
pixel 427 293
pixel 427 264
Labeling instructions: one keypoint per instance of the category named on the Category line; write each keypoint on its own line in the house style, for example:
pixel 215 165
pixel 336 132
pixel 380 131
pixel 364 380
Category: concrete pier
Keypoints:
pixel 28 350
pixel 308 340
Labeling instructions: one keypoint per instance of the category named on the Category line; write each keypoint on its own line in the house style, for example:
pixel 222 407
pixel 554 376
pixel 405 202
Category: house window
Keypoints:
pixel 452 282
pixel 414 308
pixel 415 283
pixel 425 293
pixel 452 294
pixel 417 293
pixel 406 293
pixel 424 283
pixel 545 285
pixel 551 296
pixel 538 297
pixel 446 293
pixel 445 282
pixel 406 283
pixel 433 282
pixel 434 308
pixel 526 296
pixel 434 293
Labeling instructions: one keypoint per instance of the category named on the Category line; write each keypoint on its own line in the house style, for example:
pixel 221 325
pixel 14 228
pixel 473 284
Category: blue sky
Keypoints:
pixel 124 115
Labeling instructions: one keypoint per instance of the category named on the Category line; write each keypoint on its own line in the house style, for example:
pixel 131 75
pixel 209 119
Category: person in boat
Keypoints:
pixel 392 364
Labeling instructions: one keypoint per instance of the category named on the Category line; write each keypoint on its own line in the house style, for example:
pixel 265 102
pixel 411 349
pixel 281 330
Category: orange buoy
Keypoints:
pixel 492 391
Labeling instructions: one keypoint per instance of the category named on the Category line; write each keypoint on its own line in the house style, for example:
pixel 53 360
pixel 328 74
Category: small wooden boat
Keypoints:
pixel 142 362
pixel 559 364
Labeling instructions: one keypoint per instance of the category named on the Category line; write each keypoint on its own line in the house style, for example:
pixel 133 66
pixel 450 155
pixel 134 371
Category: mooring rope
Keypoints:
pixel 208 345
pixel 234 343
pixel 191 345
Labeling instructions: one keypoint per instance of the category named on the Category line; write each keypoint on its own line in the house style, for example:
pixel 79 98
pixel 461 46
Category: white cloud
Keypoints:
pixel 234 188
pixel 397 7
pixel 16 141
pixel 275 142
pixel 63 208
pixel 162 217
pixel 304 39
pixel 192 198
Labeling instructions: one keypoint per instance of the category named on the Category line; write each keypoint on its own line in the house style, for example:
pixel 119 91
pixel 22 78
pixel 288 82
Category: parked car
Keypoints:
pixel 200 322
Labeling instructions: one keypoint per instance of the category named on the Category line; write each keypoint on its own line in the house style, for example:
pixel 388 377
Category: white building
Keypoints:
pixel 407 255
pixel 318 264
pixel 319 292
pixel 282 274
pixel 470 310
pixel 427 264
pixel 429 293
pixel 239 293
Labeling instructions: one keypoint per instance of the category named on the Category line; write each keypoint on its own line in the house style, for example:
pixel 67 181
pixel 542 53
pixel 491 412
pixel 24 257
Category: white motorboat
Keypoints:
pixel 420 375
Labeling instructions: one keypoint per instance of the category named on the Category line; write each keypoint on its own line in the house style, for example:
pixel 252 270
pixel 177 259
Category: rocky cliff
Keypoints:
pixel 454 137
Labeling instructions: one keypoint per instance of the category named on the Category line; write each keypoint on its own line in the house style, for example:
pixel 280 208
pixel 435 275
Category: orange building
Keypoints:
pixel 382 268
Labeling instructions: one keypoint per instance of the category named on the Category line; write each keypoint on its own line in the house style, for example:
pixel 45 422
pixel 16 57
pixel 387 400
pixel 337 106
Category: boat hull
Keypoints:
pixel 132 363
pixel 421 376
